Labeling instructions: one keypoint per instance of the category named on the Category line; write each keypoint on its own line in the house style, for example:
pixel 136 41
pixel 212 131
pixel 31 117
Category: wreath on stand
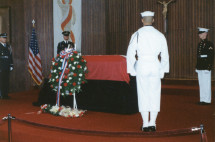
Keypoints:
pixel 68 72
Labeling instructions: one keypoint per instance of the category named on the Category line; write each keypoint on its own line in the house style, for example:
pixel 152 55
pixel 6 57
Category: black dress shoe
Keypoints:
pixel 152 128
pixel 145 129
pixel 203 103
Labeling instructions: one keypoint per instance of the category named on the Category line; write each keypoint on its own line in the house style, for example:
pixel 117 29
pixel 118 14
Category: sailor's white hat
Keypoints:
pixel 147 13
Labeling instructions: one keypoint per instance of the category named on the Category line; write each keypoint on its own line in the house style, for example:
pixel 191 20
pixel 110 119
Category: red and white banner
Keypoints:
pixel 67 17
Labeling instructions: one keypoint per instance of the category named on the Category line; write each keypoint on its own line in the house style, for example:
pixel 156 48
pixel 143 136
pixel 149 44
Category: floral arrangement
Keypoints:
pixel 61 111
pixel 69 70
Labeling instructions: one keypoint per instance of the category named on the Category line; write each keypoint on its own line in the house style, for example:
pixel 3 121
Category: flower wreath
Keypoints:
pixel 73 73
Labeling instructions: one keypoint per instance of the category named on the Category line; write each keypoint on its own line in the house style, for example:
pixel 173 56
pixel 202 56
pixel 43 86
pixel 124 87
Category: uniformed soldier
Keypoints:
pixel 205 56
pixel 6 65
pixel 149 44
pixel 66 43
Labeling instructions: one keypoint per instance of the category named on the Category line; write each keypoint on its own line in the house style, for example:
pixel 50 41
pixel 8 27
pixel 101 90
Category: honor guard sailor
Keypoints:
pixel 65 43
pixel 205 57
pixel 6 65
pixel 149 43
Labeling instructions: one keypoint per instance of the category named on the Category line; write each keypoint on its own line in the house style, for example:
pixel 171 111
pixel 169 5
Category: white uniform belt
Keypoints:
pixel 203 56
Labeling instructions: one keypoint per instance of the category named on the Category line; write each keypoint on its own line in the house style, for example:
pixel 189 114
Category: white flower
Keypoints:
pixel 80 75
pixel 79 79
pixel 70 78
pixel 62 94
pixel 67 81
pixel 53 80
pixel 55 71
pixel 85 68
pixel 70 65
pixel 73 68
pixel 61 88
pixel 53 63
pixel 59 68
pixel 75 63
pixel 77 56
pixel 61 60
pixel 79 87
pixel 65 111
pixel 54 109
pixel 56 76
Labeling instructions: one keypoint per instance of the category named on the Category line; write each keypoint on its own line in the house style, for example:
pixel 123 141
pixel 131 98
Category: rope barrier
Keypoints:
pixel 185 131
pixel 175 132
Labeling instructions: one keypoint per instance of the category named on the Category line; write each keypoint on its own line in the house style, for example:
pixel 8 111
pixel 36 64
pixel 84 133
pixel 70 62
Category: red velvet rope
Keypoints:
pixel 185 131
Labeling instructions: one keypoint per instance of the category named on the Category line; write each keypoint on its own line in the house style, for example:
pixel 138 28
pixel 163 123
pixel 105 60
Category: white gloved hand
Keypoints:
pixel 11 68
pixel 161 73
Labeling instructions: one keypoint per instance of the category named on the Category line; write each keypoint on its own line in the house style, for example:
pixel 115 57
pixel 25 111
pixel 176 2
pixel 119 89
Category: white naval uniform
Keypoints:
pixel 149 43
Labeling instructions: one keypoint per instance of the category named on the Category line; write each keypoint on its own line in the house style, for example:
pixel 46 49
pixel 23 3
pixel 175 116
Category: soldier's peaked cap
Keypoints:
pixel 4 35
pixel 66 33
pixel 202 30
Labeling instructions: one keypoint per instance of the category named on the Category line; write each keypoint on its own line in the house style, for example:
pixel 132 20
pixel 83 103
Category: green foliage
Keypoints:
pixel 73 76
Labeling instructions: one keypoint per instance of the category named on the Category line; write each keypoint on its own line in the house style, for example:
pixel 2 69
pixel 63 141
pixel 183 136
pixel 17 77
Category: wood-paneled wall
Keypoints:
pixel 123 18
pixel 22 14
pixel 42 12
pixel 93 27
pixel 107 26
pixel 17 78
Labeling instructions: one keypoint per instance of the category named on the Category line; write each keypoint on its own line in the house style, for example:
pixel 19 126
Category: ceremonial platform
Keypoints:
pixel 179 113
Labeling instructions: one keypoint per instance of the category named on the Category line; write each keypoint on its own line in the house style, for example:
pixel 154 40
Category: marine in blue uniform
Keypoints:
pixel 6 65
pixel 205 57
pixel 65 43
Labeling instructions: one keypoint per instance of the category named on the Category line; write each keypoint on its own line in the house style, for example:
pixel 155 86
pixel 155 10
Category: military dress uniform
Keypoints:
pixel 205 56
pixel 6 65
pixel 64 44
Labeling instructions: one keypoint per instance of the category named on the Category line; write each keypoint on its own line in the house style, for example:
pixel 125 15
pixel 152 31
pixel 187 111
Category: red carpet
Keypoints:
pixel 179 110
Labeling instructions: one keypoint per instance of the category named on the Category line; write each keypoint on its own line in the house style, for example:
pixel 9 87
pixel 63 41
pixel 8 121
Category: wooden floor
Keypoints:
pixel 179 110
